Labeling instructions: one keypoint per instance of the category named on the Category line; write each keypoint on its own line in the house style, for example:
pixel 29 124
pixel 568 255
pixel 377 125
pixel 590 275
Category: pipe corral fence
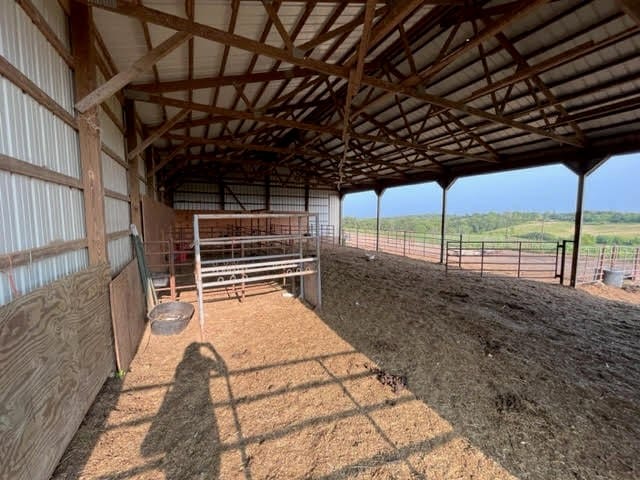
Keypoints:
pixel 172 261
pixel 538 260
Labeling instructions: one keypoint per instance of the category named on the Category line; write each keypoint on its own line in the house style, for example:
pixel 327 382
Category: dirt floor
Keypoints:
pixel 504 379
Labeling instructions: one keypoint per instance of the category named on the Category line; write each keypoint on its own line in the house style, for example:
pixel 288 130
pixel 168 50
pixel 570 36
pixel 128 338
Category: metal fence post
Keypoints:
pixel 519 257
pixel 563 261
pixel 635 274
pixel 404 244
pixel 356 237
pixel 460 254
pixel 482 259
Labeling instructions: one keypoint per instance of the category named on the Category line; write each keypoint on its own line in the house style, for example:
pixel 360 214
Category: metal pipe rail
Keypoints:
pixel 253 267
pixel 528 259
pixel 294 261
pixel 253 239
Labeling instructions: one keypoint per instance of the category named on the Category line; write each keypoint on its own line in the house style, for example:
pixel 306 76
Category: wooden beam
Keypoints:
pixel 345 28
pixel 158 132
pixel 42 24
pixel 273 15
pixel 165 161
pixel 243 115
pixel 24 257
pixel 20 167
pixel 16 77
pixel 210 33
pixel 89 132
pixel 144 63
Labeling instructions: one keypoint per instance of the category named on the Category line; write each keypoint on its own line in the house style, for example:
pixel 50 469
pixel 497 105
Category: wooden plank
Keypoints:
pixel 144 63
pixel 16 77
pixel 116 195
pixel 56 352
pixel 89 133
pixel 128 317
pixel 20 167
pixel 23 257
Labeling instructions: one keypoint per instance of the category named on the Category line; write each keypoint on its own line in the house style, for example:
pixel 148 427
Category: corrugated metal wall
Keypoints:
pixel 35 213
pixel 197 196
pixel 205 196
pixel 116 211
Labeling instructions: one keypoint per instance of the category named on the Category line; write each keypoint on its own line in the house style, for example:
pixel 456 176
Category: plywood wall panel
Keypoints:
pixel 56 352
pixel 127 314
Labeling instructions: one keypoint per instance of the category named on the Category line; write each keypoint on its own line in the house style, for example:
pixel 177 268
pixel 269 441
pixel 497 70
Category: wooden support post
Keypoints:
pixel 445 183
pixel 577 231
pixel 379 193
pixel 82 41
pixel 582 169
pixel 134 183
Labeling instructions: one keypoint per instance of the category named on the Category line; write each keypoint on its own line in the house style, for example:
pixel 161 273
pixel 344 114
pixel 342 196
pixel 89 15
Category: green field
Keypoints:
pixel 564 230
pixel 599 228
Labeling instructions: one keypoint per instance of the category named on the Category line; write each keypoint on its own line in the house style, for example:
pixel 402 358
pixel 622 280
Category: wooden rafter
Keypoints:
pixel 159 132
pixel 144 63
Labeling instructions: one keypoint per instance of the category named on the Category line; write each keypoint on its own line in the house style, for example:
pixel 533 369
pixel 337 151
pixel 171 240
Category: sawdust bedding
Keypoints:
pixel 405 373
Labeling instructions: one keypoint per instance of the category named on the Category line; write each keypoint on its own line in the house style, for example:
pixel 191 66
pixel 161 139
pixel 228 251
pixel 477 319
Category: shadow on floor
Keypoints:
pixel 190 449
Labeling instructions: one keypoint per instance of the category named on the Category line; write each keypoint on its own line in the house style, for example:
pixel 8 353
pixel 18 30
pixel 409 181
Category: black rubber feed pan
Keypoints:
pixel 170 318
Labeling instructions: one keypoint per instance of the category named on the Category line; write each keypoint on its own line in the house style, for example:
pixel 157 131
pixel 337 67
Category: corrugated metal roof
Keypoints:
pixel 577 84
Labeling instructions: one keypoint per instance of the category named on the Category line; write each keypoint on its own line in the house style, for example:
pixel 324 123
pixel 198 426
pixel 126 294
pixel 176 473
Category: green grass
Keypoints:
pixel 564 230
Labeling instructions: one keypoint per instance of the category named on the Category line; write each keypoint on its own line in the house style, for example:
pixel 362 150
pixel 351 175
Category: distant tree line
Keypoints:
pixel 479 223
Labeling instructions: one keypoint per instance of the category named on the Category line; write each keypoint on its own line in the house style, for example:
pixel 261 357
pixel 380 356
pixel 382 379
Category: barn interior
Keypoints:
pixel 257 118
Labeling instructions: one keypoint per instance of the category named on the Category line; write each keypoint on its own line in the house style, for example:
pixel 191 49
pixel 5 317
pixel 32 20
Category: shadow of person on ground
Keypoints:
pixel 185 429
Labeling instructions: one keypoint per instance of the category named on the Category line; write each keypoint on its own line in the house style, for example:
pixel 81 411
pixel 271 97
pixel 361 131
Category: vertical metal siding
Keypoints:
pixel 252 197
pixel 114 175
pixel 111 135
pixel 56 19
pixel 319 203
pixel 197 196
pixel 33 134
pixel 117 215
pixel 287 199
pixel 41 272
pixel 120 253
pixel 30 52
pixel 35 213
pixel 334 211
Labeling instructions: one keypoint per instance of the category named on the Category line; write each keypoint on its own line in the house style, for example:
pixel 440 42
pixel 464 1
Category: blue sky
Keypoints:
pixel 613 186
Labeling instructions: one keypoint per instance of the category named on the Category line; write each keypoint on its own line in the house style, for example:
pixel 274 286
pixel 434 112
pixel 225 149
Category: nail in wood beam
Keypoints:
pixel 89 132
pixel 144 63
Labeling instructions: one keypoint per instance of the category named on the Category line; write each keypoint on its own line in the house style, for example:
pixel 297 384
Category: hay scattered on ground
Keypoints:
pixel 503 379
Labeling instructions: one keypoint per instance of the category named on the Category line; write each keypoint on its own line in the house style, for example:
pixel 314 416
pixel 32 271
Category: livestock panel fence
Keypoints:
pixel 538 260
